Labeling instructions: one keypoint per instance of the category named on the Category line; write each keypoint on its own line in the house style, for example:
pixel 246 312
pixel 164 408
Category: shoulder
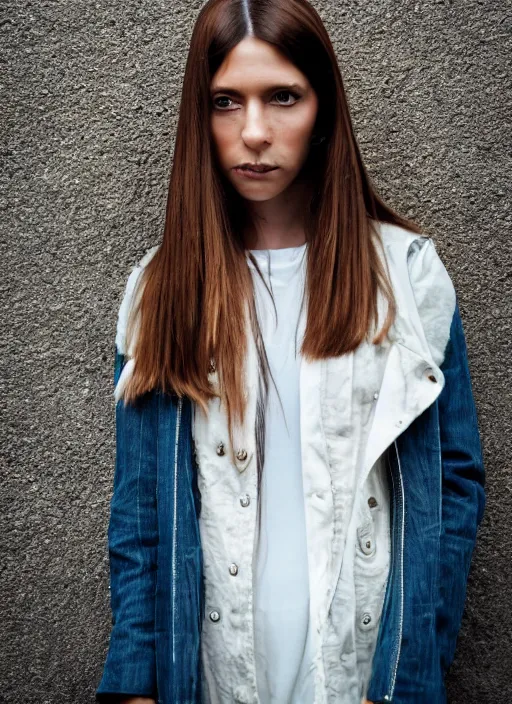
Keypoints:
pixel 416 268
pixel 416 255
pixel 128 299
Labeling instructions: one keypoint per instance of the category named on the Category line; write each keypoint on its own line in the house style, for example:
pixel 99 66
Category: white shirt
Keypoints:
pixel 280 578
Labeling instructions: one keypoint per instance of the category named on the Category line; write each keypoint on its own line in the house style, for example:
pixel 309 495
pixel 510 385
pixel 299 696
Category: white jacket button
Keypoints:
pixel 365 535
pixel 233 569
pixel 241 454
pixel 372 502
pixel 366 619
pixel 429 373
pixel 214 616
pixel 245 500
pixel 220 448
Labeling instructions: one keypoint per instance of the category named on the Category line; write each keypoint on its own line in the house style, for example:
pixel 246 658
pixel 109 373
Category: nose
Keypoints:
pixel 255 131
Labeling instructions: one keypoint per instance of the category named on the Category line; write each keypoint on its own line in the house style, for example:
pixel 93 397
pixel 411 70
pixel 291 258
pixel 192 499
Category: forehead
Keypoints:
pixel 255 64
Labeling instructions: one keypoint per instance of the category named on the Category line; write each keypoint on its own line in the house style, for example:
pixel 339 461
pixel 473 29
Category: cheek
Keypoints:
pixel 224 137
pixel 294 134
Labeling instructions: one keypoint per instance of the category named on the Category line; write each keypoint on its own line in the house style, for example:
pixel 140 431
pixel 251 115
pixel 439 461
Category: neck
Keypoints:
pixel 279 222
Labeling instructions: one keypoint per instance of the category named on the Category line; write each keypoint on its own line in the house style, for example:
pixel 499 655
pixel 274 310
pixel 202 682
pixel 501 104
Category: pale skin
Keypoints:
pixel 263 110
pixel 267 115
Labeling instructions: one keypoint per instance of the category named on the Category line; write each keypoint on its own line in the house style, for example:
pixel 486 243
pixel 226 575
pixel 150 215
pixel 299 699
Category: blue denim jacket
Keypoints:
pixel 436 479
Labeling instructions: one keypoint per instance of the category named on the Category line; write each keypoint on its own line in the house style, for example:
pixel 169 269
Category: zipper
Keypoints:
pixel 175 522
pixel 401 507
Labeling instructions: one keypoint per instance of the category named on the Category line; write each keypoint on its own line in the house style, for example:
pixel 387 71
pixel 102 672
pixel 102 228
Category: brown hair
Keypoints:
pixel 196 286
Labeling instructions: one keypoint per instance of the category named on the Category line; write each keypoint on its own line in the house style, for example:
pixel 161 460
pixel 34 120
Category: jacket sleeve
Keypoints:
pixel 130 666
pixel 463 496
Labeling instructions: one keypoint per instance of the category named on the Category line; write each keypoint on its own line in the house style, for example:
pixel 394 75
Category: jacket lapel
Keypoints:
pixel 411 383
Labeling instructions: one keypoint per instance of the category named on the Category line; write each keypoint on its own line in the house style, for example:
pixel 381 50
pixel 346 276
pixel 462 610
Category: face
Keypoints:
pixel 263 111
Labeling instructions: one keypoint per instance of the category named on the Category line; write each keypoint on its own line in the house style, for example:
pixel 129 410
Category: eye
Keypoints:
pixel 295 96
pixel 221 97
pixel 280 95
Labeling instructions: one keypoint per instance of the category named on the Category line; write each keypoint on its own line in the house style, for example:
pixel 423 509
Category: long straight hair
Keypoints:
pixel 197 287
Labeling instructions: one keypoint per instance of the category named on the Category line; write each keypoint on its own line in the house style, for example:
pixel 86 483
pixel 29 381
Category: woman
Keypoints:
pixel 298 478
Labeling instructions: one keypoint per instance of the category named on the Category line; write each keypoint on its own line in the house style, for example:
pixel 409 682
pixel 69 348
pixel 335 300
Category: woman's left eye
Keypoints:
pixel 289 93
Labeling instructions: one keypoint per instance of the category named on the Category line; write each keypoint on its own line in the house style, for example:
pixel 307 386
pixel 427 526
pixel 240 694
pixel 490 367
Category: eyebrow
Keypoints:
pixel 271 89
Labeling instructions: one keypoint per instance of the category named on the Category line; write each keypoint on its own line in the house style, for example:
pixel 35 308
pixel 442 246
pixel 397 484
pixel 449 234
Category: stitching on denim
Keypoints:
pixel 138 487
pixel 174 524
pixel 402 531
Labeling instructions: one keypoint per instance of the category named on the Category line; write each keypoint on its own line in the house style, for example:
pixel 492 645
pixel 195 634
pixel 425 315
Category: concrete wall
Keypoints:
pixel 91 92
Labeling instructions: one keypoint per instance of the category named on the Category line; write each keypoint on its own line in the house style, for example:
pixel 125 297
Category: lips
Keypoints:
pixel 258 169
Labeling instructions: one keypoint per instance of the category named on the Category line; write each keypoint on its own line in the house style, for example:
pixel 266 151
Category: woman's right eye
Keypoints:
pixel 221 97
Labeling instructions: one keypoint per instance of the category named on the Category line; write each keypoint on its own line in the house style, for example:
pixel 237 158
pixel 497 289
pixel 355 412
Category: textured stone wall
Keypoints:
pixel 91 92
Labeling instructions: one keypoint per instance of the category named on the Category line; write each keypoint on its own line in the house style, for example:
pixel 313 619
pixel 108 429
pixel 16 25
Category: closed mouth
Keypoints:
pixel 258 169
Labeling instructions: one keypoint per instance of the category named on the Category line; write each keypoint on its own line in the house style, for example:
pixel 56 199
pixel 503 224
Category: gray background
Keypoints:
pixel 91 93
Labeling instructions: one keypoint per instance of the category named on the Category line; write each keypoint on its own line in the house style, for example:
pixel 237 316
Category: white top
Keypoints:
pixel 280 578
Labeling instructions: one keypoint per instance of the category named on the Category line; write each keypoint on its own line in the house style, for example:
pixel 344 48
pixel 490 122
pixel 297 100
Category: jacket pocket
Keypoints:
pixel 371 559
pixel 371 571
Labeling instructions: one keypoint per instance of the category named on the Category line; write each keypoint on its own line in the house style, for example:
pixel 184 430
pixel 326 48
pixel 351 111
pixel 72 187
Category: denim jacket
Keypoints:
pixel 424 427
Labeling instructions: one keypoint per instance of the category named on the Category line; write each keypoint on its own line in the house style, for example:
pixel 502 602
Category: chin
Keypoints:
pixel 259 197
pixel 259 192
